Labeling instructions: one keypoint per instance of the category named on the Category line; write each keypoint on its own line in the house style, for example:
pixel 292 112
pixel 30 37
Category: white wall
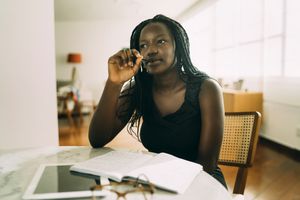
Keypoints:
pixel 28 114
pixel 96 41
pixel 282 111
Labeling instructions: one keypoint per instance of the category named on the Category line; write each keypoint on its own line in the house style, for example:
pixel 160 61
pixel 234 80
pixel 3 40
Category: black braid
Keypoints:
pixel 143 81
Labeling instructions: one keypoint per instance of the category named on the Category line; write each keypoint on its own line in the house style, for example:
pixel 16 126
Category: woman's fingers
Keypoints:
pixel 127 58
pixel 123 65
pixel 121 58
pixel 138 60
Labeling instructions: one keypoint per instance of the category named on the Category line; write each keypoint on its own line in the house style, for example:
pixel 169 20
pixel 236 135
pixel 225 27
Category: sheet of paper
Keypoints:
pixel 170 172
pixel 163 170
pixel 114 162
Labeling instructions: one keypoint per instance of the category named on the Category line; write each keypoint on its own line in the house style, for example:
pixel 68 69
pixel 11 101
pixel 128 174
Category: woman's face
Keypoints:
pixel 157 46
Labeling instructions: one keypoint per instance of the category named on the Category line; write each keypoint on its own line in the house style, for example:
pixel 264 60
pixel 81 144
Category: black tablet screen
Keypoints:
pixel 59 179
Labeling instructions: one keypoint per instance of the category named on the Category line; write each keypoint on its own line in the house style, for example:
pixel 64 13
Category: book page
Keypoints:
pixel 169 172
pixel 113 164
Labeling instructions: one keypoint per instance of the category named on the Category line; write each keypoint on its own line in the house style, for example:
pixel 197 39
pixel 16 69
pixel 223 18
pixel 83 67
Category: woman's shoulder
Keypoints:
pixel 210 87
pixel 211 84
pixel 202 84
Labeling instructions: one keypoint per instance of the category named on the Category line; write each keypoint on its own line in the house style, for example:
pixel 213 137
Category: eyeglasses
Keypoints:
pixel 133 189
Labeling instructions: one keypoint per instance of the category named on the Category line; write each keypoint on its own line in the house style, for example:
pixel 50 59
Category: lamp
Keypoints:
pixel 74 58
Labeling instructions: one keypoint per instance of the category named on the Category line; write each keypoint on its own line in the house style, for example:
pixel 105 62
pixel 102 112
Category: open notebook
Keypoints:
pixel 163 170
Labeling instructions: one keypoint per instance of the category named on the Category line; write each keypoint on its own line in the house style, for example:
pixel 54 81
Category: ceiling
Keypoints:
pixel 87 10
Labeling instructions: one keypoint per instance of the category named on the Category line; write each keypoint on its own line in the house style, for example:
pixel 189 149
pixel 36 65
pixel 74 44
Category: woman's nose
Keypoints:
pixel 152 50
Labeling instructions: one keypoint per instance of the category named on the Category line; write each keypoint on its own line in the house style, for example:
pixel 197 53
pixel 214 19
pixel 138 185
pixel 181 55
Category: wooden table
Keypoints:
pixel 240 101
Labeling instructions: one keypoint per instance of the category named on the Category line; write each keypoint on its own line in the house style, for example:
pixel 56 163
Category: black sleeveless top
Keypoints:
pixel 177 133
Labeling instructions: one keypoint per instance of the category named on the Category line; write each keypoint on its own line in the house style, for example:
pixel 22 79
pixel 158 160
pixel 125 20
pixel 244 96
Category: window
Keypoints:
pixel 292 57
pixel 201 40
pixel 253 38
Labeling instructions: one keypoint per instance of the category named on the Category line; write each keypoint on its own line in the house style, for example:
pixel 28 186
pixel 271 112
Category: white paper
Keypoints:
pixel 114 164
pixel 163 170
pixel 169 172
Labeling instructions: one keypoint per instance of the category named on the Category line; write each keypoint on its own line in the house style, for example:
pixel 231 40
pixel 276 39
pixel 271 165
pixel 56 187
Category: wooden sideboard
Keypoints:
pixel 239 101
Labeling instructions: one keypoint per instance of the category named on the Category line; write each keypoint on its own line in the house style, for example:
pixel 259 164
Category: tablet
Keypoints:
pixel 54 181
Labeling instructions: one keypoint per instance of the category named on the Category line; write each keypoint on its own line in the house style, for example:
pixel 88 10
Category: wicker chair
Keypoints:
pixel 239 143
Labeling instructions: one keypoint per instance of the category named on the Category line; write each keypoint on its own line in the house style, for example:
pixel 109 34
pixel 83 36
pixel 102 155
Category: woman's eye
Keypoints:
pixel 161 41
pixel 143 46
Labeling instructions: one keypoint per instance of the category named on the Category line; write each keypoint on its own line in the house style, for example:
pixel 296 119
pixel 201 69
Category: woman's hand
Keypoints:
pixel 123 65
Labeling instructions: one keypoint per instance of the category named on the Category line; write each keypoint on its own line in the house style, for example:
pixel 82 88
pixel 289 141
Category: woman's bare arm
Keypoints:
pixel 106 124
pixel 212 116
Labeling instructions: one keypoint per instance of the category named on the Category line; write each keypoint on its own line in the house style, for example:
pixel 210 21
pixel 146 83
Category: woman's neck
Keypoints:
pixel 168 81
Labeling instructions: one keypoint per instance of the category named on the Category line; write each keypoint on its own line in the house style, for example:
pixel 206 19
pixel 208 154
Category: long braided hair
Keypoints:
pixel 141 84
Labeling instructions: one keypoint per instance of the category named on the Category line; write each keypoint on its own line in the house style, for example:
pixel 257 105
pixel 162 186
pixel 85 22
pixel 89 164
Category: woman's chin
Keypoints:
pixel 160 70
pixel 153 71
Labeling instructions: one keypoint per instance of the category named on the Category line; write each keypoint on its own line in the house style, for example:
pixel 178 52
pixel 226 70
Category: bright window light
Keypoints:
pixel 272 61
pixel 242 38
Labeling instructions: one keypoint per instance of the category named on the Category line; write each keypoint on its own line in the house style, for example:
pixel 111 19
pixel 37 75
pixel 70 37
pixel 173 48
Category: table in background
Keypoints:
pixel 17 168
pixel 240 101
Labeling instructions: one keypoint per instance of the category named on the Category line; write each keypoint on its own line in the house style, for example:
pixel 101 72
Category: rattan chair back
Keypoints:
pixel 241 130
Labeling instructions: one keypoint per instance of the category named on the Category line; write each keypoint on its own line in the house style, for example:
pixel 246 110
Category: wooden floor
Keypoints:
pixel 273 176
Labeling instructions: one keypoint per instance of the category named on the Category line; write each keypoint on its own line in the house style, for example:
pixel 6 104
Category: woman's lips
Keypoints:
pixel 152 62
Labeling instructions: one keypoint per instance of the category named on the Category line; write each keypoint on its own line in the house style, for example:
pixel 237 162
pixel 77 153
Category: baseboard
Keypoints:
pixel 291 153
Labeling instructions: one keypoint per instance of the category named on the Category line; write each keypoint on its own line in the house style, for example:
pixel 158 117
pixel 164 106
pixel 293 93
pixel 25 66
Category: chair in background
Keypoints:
pixel 69 104
pixel 241 130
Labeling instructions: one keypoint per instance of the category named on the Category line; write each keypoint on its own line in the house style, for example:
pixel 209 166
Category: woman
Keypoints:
pixel 181 107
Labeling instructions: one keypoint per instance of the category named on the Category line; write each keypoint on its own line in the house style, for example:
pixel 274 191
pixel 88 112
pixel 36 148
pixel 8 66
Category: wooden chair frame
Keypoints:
pixel 238 152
